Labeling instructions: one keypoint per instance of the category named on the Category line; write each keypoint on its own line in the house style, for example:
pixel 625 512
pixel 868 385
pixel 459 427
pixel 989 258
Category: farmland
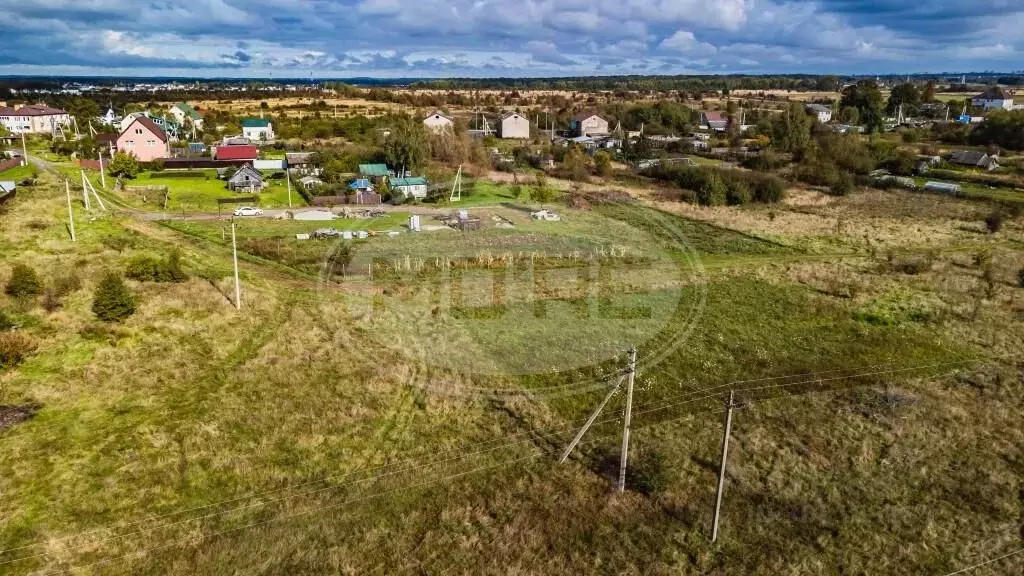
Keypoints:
pixel 302 435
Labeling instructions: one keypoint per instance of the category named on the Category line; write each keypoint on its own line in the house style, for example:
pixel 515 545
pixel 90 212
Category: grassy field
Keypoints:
pixel 200 194
pixel 345 428
pixel 17 173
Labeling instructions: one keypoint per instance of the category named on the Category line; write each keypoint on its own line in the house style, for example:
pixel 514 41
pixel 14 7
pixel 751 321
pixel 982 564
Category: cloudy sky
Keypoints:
pixel 429 38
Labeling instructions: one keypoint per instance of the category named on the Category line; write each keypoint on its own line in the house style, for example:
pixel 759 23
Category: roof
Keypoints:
pixel 818 108
pixel 150 125
pixel 188 110
pixel 437 113
pixel 106 138
pixel 508 115
pixel 995 93
pixel 255 123
pixel 39 110
pixel 360 183
pixel 970 157
pixel 583 115
pixel 298 157
pixel 248 152
pixel 417 181
pixel 6 111
pixel 374 170
pixel 247 169
pixel 310 180
pixel 714 117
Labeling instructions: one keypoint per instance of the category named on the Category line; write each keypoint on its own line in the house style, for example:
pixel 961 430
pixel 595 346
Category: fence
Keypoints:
pixel 8 164
pixel 192 163
pixel 89 164
pixel 362 198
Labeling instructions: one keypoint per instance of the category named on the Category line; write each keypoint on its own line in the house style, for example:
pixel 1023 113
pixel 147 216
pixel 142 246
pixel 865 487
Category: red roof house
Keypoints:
pixel 236 152
pixel 144 140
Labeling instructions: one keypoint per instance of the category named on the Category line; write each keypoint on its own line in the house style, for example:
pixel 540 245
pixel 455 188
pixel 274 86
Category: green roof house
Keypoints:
pixel 374 170
pixel 257 130
pixel 184 111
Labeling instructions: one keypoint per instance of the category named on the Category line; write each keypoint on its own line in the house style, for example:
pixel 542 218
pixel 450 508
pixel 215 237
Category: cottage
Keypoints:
pixel 109 118
pixel 361 185
pixel 715 121
pixel 375 172
pixel 183 111
pixel 257 130
pixel 410 187
pixel 974 159
pixel 438 122
pixel 514 126
pixel 587 123
pixel 144 140
pixel 995 98
pixel 311 182
pixel 33 119
pixel 822 112
pixel 246 179
pixel 299 161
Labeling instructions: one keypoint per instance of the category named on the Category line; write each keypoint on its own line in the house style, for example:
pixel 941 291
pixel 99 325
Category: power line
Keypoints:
pixel 986 563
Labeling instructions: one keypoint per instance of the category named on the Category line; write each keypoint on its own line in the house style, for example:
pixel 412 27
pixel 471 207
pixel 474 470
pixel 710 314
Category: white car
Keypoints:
pixel 248 211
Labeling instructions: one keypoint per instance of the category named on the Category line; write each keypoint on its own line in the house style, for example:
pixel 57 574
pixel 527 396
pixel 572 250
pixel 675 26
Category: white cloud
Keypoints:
pixel 685 42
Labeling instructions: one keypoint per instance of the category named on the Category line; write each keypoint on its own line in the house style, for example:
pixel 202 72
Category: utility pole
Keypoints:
pixel 85 192
pixel 288 178
pixel 721 472
pixel 629 414
pixel 103 177
pixel 590 422
pixel 71 214
pixel 24 151
pixel 234 253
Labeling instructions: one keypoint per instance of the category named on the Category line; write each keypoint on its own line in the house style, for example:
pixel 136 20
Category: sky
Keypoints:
pixel 507 38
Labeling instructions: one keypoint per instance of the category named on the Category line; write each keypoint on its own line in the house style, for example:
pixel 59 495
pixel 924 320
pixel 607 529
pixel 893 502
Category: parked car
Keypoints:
pixel 248 211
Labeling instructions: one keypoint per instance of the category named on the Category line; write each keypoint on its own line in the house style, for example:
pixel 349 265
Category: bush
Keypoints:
pixel 647 473
pixel 994 221
pixel 712 192
pixel 842 186
pixel 5 322
pixel 738 193
pixel 24 283
pixel 1020 278
pixel 14 347
pixel 54 294
pixel 112 301
pixel 149 269
pixel 542 194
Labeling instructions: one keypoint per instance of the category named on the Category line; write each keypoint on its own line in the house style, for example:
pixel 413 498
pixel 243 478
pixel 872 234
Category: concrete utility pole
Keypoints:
pixel 721 472
pixel 234 253
pixel 85 192
pixel 71 214
pixel 590 422
pixel 24 151
pixel 103 177
pixel 288 179
pixel 629 414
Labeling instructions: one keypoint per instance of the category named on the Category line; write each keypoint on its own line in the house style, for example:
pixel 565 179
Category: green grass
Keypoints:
pixel 487 193
pixel 201 194
pixel 17 173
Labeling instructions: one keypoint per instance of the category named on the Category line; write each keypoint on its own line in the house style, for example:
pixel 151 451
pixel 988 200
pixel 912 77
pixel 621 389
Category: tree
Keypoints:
pixel 791 130
pixel 849 115
pixel 577 164
pixel 84 110
pixel 1001 128
pixel 24 283
pixel 713 191
pixel 928 95
pixel 867 99
pixel 603 163
pixel 406 146
pixel 113 301
pixel 906 95
pixel 123 164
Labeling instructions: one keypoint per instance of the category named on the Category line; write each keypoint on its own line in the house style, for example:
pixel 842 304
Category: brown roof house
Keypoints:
pixel 144 140
pixel 974 159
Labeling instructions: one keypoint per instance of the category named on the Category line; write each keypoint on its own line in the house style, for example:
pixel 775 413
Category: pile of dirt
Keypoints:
pixel 13 415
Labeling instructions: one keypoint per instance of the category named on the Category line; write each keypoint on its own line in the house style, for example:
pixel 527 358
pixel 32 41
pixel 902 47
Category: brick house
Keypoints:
pixel 144 140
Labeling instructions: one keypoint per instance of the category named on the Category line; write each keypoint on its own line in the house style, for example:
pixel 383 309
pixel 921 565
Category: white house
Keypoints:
pixel 257 130
pixel 33 119
pixel 587 123
pixel 995 98
pixel 437 122
pixel 824 113
pixel 184 111
pixel 410 187
pixel 514 126
pixel 110 118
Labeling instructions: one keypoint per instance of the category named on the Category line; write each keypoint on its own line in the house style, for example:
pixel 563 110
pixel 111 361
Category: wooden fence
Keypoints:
pixel 8 164
pixel 89 164
pixel 358 199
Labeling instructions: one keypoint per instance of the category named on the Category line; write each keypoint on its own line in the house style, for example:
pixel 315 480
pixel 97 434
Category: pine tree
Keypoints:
pixel 24 283
pixel 112 301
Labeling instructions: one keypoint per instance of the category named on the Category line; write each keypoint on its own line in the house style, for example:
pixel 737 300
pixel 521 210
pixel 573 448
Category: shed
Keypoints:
pixel 246 179
pixel 361 185
pixel 942 187
pixel 410 187
pixel 310 182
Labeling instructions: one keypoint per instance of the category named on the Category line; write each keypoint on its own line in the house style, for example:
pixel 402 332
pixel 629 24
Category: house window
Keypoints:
pixel 150 142
pixel 138 130
pixel 129 144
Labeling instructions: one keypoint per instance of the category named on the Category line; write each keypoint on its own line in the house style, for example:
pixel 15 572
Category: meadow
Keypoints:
pixel 876 361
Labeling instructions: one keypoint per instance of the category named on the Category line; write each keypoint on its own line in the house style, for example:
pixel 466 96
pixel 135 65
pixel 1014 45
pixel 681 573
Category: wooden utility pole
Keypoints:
pixel 24 151
pixel 629 414
pixel 85 192
pixel 234 253
pixel 721 471
pixel 71 214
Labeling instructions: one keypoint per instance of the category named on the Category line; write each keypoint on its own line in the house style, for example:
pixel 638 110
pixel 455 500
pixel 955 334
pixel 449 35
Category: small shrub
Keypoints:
pixel 712 192
pixel 53 296
pixel 6 323
pixel 647 473
pixel 1020 278
pixel 24 283
pixel 14 348
pixel 911 265
pixel 542 194
pixel 994 221
pixel 842 185
pixel 738 193
pixel 112 301
pixel 149 269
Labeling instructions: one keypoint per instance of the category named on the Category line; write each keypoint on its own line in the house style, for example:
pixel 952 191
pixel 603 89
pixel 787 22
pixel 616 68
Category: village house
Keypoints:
pixel 300 162
pixel 974 159
pixel 184 111
pixel 514 125
pixel 410 187
pixel 995 98
pixel 33 119
pixel 144 140
pixel 822 112
pixel 245 152
pixel 361 185
pixel 109 118
pixel 587 123
pixel 437 122
pixel 258 130
pixel 310 182
pixel 246 179
pixel 375 172
pixel 714 121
